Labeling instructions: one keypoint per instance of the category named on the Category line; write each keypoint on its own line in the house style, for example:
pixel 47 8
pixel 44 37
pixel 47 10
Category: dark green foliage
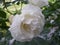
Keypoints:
pixel 2 13
pixel 51 11
pixel 3 26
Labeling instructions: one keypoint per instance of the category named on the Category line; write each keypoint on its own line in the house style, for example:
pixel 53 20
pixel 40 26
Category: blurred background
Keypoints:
pixel 51 32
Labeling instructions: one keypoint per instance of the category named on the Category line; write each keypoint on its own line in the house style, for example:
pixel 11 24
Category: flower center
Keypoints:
pixel 25 27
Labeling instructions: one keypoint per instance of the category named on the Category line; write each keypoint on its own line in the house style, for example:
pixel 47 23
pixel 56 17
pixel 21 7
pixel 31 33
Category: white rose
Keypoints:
pixel 39 3
pixel 28 25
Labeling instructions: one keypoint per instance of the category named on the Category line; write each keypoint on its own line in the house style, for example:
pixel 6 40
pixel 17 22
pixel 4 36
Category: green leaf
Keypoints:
pixel 2 13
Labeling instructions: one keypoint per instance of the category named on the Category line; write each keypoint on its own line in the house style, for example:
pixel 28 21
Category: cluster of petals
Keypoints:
pixel 28 24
